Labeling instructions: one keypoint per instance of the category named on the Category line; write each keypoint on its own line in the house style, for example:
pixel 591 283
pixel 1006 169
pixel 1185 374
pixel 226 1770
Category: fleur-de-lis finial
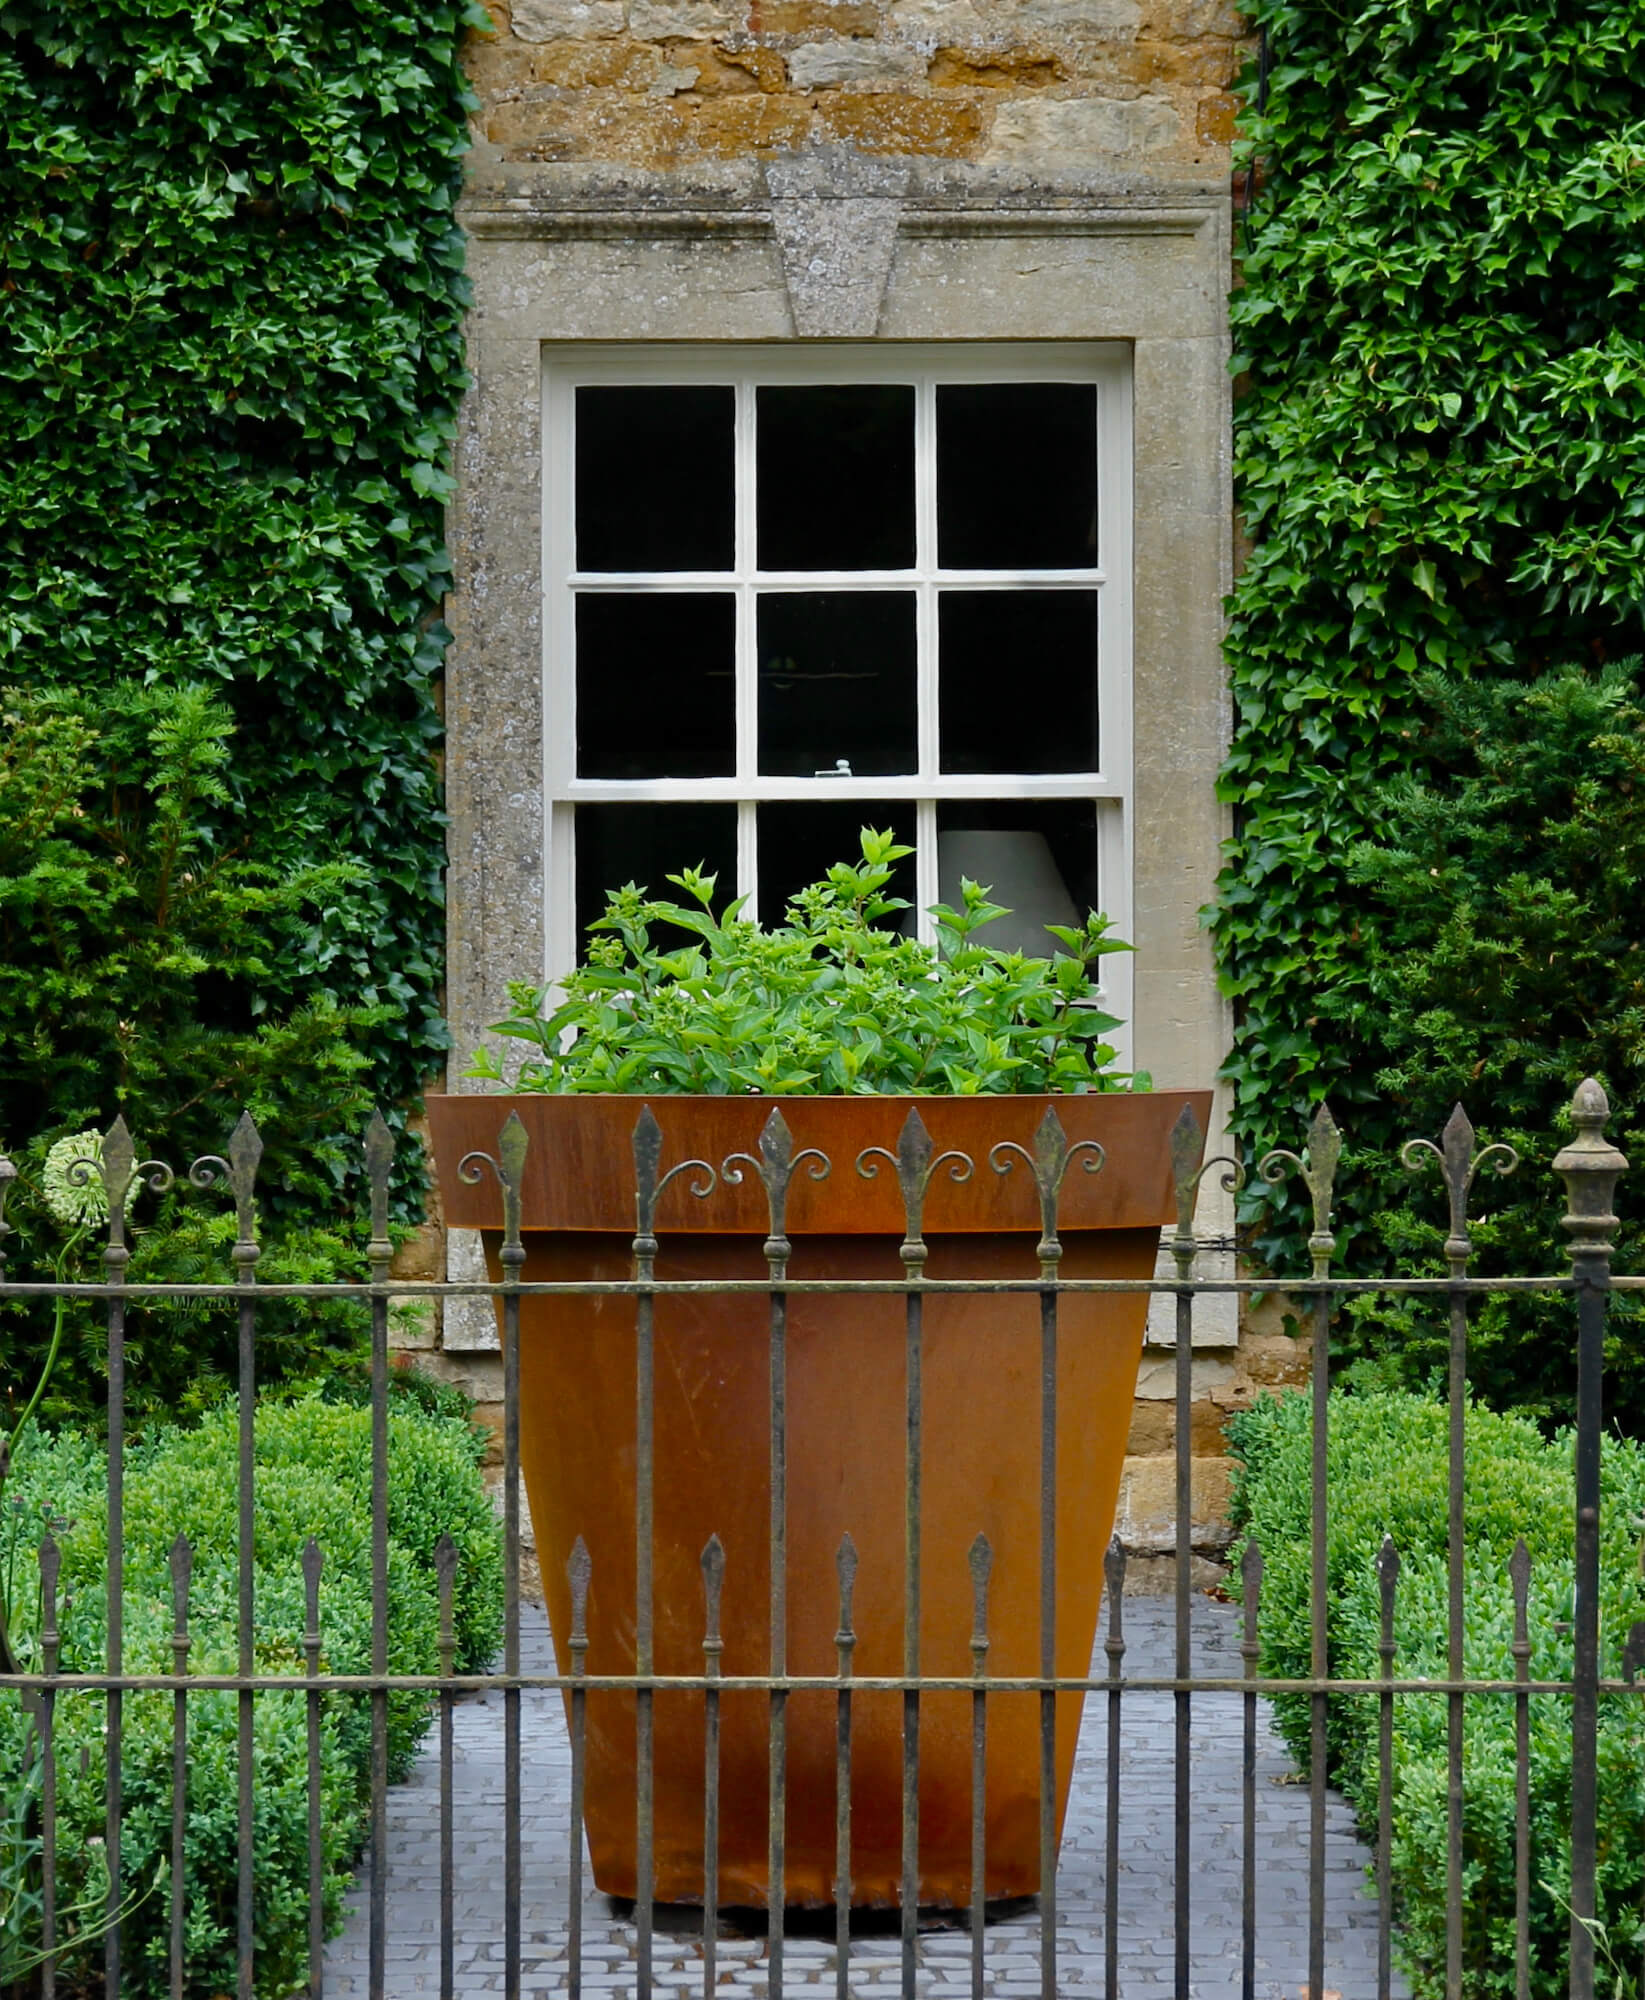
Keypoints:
pixel 1318 1168
pixel 1458 1165
pixel 916 1161
pixel 1049 1162
pixel 775 1168
pixel 1189 1168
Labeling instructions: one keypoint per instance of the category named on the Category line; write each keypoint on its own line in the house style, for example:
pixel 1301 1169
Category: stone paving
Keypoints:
pixel 1145 1935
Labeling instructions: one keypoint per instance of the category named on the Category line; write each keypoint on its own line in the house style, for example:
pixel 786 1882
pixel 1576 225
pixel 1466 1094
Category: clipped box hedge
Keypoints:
pixel 1388 1476
pixel 313 1474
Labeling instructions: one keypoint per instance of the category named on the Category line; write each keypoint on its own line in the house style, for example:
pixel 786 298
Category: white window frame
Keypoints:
pixel 745 368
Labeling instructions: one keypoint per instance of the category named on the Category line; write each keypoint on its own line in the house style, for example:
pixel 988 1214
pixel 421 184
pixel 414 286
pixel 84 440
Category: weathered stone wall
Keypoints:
pixel 661 84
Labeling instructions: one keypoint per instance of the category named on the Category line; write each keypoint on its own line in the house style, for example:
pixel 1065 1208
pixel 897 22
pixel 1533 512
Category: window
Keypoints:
pixel 789 593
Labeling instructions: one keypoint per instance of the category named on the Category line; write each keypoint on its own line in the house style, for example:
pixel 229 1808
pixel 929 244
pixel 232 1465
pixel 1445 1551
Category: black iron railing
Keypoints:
pixel 1589 1167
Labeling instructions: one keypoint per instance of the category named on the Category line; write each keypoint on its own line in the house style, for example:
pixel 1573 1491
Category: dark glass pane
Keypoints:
pixel 656 685
pixel 1017 476
pixel 835 479
pixel 1038 856
pixel 646 844
pixel 800 843
pixel 656 479
pixel 837 682
pixel 1017 680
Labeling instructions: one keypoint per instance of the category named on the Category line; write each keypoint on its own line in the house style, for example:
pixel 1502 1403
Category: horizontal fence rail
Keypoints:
pixel 651 1698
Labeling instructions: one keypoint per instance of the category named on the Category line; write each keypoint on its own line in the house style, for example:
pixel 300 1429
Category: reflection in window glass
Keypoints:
pixel 1017 678
pixel 656 685
pixel 1017 475
pixel 834 480
pixel 645 844
pixel 655 480
pixel 1037 856
pixel 837 683
pixel 800 843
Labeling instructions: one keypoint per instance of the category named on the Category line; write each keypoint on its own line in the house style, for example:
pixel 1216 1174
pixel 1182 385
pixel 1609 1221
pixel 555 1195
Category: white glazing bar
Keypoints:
pixel 925 868
pixel 961 785
pixel 747 665
pixel 925 556
pixel 748 857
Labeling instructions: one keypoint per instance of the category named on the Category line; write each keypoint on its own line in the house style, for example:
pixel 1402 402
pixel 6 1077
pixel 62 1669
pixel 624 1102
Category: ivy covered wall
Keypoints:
pixel 1440 454
pixel 230 313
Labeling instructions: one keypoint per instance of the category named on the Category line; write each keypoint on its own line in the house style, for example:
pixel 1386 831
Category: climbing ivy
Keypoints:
pixel 231 289
pixel 1439 451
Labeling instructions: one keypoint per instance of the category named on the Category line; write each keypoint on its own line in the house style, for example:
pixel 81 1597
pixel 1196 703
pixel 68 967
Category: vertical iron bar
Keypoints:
pixel 1049 1159
pixel 379 1158
pixel 713 1566
pixel 1590 1169
pixel 1319 1646
pixel 313 1565
pixel 445 1572
pixel 982 1564
pixel 1519 1571
pixel 579 1570
pixel 181 1563
pixel 50 1563
pixel 119 1159
pixel 1387 1580
pixel 775 1166
pixel 913 1469
pixel 647 1157
pixel 1250 1647
pixel 245 1149
pixel 511 1152
pixel 1187 1144
pixel 845 1643
pixel 1048 1629
pixel 1114 1646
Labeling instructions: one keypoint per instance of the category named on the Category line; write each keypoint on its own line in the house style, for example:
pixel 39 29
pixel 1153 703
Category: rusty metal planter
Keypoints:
pixel 840 1431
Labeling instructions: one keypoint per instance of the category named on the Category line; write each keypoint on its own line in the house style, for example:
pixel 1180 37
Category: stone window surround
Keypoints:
pixel 829 245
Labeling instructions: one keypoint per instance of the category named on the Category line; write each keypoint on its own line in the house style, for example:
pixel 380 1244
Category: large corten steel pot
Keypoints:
pixel 846 1389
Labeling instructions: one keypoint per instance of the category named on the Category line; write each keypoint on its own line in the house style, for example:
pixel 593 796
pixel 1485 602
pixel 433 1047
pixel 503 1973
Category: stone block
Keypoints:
pixel 547 20
pixel 1215 118
pixel 1062 129
pixel 820 65
pixel 664 20
pixel 1075 20
pixel 422 1254
pixel 813 18
pixel 1146 1516
pixel 995 69
pixel 730 72
pixel 413 1326
pixel 892 121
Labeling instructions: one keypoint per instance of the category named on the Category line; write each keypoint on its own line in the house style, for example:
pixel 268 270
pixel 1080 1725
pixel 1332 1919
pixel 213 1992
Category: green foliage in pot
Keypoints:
pixel 833 1000
pixel 1387 1471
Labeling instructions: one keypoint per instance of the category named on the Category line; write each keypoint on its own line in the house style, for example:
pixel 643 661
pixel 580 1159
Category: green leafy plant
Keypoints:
pixel 137 953
pixel 1508 962
pixel 231 299
pixel 835 999
pixel 312 1477
pixel 1439 452
pixel 1387 1474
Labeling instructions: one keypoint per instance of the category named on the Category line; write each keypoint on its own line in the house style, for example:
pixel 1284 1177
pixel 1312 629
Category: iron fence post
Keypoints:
pixel 1590 1167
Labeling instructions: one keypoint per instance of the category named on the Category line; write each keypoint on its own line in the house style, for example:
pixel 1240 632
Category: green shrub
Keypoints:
pixel 313 1461
pixel 1439 443
pixel 232 308
pixel 1508 963
pixel 1388 1476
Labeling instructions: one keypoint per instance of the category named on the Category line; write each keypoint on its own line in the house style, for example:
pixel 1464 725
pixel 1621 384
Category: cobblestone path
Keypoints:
pixel 1145 1947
